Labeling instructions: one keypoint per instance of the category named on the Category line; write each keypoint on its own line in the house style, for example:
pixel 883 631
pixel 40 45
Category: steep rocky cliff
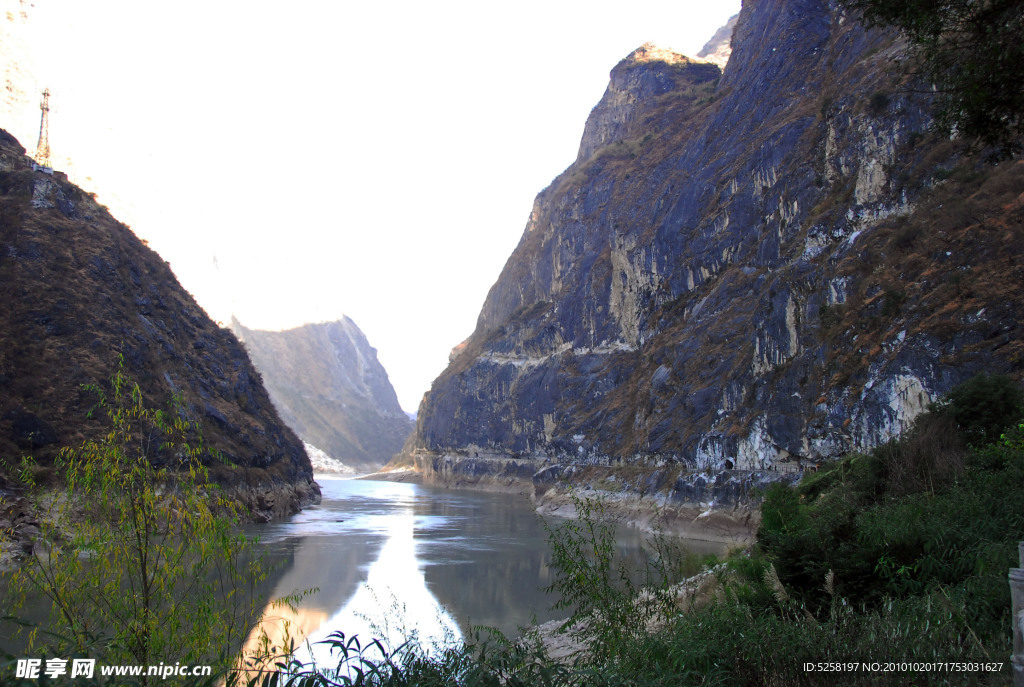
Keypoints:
pixel 78 291
pixel 760 268
pixel 328 385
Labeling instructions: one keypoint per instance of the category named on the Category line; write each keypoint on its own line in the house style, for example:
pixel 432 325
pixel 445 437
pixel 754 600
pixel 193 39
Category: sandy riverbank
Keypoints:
pixel 406 475
pixel 712 522
pixel 563 647
pixel 702 522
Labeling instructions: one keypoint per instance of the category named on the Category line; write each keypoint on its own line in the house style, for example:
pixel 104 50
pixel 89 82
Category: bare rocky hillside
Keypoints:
pixel 761 268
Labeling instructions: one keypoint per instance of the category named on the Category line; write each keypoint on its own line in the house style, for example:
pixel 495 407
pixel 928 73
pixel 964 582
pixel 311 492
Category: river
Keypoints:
pixel 395 560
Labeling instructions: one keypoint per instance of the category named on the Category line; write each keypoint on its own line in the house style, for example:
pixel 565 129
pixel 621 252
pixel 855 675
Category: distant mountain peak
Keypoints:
pixel 718 50
pixel 328 385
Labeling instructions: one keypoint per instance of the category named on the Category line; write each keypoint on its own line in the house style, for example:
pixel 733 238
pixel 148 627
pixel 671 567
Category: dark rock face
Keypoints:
pixel 776 267
pixel 328 385
pixel 78 291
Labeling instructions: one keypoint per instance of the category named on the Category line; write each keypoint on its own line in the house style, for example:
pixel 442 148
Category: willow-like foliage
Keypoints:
pixel 139 555
pixel 973 54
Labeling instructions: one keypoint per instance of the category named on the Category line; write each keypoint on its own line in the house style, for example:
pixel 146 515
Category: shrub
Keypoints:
pixel 892 301
pixel 983 407
pixel 142 563
pixel 906 236
pixel 878 103
pixel 830 315
pixel 589 580
pixel 920 518
pixel 927 457
pixel 610 611
pixel 973 54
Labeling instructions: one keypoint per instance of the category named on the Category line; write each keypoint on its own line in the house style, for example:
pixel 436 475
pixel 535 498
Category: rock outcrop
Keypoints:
pixel 329 387
pixel 80 290
pixel 630 106
pixel 756 269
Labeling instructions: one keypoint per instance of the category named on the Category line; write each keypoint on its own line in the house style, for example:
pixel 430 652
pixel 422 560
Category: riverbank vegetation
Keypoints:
pixel 889 567
pixel 138 556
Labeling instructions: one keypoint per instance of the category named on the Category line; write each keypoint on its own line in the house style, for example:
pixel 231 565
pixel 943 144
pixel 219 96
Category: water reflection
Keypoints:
pixel 393 604
pixel 448 560
pixel 480 557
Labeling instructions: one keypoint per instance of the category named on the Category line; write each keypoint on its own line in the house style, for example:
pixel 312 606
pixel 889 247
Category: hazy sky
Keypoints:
pixel 297 161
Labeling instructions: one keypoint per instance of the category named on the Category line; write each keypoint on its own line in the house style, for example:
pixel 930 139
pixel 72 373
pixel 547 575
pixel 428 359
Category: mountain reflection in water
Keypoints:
pixel 400 561
pixel 390 560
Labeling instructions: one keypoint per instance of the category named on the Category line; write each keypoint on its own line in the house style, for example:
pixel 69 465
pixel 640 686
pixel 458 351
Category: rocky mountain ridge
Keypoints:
pixel 760 268
pixel 328 385
pixel 80 291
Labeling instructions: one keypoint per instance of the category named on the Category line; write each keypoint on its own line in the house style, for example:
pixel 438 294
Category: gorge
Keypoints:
pixel 760 264
pixel 757 267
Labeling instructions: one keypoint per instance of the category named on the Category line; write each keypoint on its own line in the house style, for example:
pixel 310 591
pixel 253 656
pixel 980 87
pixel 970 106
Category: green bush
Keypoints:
pixel 892 301
pixel 878 103
pixel 983 407
pixel 727 643
pixel 921 518
pixel 142 564
pixel 830 316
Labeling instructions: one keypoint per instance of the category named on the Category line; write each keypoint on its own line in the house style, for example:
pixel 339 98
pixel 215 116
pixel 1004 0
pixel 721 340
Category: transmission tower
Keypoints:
pixel 43 148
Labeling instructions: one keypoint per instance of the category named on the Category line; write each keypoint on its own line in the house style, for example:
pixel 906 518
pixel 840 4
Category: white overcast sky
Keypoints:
pixel 296 161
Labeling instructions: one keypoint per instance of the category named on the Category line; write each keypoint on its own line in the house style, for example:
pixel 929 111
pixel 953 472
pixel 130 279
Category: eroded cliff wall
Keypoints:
pixel 757 269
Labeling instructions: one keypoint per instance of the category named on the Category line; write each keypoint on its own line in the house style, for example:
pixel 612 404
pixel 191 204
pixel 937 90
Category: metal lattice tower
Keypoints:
pixel 43 148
